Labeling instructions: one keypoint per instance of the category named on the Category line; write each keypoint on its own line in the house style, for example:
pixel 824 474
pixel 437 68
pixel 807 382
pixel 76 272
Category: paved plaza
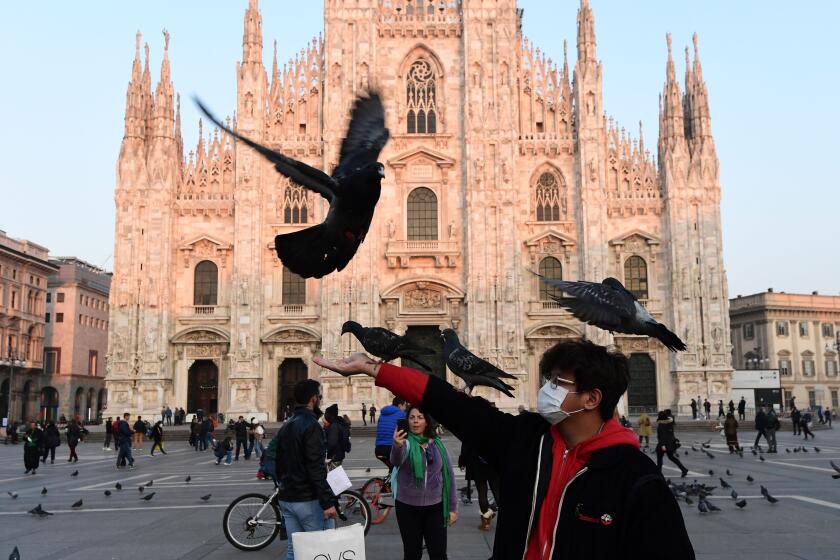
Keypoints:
pixel 176 524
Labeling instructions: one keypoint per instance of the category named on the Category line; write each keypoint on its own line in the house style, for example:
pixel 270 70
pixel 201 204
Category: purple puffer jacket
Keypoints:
pixel 408 492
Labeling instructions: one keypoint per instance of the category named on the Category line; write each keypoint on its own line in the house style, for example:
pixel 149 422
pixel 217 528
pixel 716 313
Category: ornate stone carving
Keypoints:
pixel 421 298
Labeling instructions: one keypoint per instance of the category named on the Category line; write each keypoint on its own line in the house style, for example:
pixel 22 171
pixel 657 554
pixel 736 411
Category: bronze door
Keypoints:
pixel 427 337
pixel 291 371
pixel 203 389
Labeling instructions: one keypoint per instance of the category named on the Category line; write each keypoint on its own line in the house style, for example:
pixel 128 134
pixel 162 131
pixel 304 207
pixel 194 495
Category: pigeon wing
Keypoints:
pixel 301 173
pixel 366 136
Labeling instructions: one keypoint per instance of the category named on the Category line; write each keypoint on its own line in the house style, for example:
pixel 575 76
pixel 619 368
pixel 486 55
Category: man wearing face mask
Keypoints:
pixel 579 487
pixel 306 499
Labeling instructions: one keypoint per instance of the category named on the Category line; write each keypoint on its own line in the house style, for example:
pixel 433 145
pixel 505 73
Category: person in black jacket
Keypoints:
pixel 306 499
pixel 157 436
pixel 666 441
pixel 338 435
pixel 33 441
pixel 761 428
pixel 795 417
pixel 479 471
pixel 52 439
pixel 109 432
pixel 74 434
pixel 241 429
pixel 579 486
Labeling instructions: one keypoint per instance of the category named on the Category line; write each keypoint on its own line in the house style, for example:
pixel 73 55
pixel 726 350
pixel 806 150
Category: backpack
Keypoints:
pixel 345 435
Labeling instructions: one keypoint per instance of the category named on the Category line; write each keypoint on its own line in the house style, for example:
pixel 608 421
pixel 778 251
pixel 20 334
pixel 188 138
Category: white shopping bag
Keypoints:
pixel 346 543
pixel 338 480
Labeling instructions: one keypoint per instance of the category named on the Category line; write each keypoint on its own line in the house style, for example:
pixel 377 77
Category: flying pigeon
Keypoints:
pixel 833 466
pixel 107 492
pixel 77 504
pixel 734 494
pixel 206 497
pixel 750 479
pixel 610 306
pixel 44 491
pixel 188 479
pixel 15 555
pixel 148 497
pixel 118 486
pixel 74 473
pixel 352 191
pixel 14 495
pixel 469 367
pixel 39 511
pixel 742 503
pixel 385 344
pixel 724 484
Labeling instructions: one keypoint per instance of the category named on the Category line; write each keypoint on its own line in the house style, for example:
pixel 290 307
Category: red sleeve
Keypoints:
pixel 406 383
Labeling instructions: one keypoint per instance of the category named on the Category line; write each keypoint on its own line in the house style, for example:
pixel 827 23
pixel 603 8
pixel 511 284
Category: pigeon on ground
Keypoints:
pixel 140 488
pixel 74 473
pixel 77 504
pixel 742 503
pixel 15 555
pixel 205 498
pixel 14 495
pixel 694 448
pixel 352 191
pixel 711 472
pixel 728 472
pixel 610 306
pixel 724 484
pixel 711 506
pixel 38 511
pixel 804 450
pixel 761 458
pixel 701 505
pixel 107 492
pixel 763 490
pixel 796 450
pixel 787 449
pixel 750 479
pixel 384 344
pixel 148 497
pixel 118 486
pixel 150 483
pixel 833 466
pixel 734 494
pixel 685 452
pixel 770 498
pixel 817 449
pixel 472 369
pixel 367 470
pixel 44 491
pixel 188 479
pixel 709 455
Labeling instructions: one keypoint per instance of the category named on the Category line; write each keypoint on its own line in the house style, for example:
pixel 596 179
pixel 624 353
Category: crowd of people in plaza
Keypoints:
pixel 41 439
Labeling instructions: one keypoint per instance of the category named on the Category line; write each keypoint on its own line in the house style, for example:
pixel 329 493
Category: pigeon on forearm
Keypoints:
pixel 472 369
pixel 610 306
pixel 385 344
pixel 352 191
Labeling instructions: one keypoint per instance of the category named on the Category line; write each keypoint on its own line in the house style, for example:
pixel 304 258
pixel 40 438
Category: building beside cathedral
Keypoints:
pixel 499 163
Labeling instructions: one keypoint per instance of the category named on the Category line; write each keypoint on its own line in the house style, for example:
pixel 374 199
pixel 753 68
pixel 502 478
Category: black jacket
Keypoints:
pixel 620 488
pixel 241 428
pixel 301 452
pixel 665 433
pixel 338 440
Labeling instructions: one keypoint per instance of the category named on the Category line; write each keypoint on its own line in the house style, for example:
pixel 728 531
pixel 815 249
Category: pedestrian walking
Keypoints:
pixel 707 406
pixel 109 433
pixel 123 434
pixel 693 409
pixel 796 419
pixel 477 469
pixel 224 450
pixel 74 434
pixel 563 468
pixel 730 432
pixel 241 428
pixel 666 441
pixel 194 429
pixel 742 409
pixel 157 436
pixel 773 424
pixel 645 429
pixel 760 427
pixel 721 413
pixel 828 416
pixel 139 429
pixel 388 419
pixel 306 500
pixel 731 407
pixel 364 414
pixel 33 441
pixel 256 435
pixel 372 411
pixel 52 439
pixel 426 501
pixel 163 414
pixel 337 433
pixel 805 425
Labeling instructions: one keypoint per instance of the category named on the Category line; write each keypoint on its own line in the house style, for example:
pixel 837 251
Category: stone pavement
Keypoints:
pixel 177 525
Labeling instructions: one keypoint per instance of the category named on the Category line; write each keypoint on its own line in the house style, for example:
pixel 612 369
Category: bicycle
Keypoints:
pixel 252 521
pixel 373 491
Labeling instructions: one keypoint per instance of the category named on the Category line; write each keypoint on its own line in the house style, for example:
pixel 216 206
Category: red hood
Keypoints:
pixel 611 434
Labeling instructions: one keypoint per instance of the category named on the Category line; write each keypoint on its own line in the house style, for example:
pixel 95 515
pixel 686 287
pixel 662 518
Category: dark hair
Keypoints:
pixel 305 390
pixel 594 367
pixel 429 432
pixel 397 401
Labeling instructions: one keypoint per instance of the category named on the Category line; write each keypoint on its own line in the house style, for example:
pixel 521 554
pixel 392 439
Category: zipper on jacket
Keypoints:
pixel 560 509
pixel 534 497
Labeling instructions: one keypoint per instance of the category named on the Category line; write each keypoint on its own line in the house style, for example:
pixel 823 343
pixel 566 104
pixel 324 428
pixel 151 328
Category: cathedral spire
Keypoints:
pixel 673 126
pixel 586 33
pixel 148 100
pixel 164 113
pixel 134 100
pixel 698 114
pixel 698 70
pixel 252 35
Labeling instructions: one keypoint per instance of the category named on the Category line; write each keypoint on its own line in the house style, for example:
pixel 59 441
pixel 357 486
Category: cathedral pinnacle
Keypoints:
pixel 698 70
pixel 252 35
pixel 586 33
pixel 669 69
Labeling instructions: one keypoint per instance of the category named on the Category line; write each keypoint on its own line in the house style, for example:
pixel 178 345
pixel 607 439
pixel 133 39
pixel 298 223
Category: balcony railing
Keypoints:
pixel 294 310
pixel 203 313
pixel 204 309
pixel 400 253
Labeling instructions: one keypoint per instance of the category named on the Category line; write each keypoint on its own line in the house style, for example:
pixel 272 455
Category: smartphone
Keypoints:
pixel 402 424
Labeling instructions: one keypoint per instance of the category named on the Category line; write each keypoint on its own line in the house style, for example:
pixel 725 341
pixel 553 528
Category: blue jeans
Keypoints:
pixel 228 457
pixel 256 447
pixel 303 516
pixel 125 452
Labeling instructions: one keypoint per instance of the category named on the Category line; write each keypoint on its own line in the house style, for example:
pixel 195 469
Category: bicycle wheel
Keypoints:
pixel 354 508
pixel 250 526
pixel 372 492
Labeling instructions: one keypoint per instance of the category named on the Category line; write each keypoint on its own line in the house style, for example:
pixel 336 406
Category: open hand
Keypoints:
pixel 354 364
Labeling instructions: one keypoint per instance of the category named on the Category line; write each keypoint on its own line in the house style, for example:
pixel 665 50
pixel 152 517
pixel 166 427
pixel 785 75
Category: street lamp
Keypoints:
pixel 11 362
pixel 757 360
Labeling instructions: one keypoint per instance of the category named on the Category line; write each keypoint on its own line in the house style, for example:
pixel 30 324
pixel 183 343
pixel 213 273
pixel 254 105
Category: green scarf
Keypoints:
pixel 417 462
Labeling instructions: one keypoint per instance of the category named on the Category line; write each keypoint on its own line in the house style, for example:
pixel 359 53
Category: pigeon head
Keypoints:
pixel 351 327
pixel 613 283
pixel 449 335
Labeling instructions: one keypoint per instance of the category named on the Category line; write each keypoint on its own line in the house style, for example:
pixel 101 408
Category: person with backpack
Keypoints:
pixel 52 439
pixel 338 435
pixel 139 429
pixel 388 419
pixel 157 436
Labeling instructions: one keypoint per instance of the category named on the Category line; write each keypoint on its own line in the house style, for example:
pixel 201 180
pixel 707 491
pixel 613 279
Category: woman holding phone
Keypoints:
pixel 423 484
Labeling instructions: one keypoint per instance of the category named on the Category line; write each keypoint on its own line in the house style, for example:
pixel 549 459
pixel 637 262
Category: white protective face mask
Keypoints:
pixel 550 402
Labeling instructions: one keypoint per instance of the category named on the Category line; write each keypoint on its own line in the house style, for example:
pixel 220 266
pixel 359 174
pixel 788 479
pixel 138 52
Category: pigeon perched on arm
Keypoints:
pixel 352 191
pixel 610 306
pixel 384 344
pixel 472 369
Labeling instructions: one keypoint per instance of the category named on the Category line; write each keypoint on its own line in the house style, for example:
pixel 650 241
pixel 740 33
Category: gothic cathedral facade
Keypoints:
pixel 500 163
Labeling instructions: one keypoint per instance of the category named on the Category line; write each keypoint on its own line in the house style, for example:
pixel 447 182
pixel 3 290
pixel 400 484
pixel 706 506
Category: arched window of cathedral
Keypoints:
pixel 548 198
pixel 551 269
pixel 420 98
pixel 206 286
pixel 294 288
pixel 635 276
pixel 422 214
pixel 295 201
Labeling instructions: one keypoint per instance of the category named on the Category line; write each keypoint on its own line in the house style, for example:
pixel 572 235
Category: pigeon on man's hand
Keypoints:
pixel 612 307
pixel 352 191
pixel 472 369
pixel 384 344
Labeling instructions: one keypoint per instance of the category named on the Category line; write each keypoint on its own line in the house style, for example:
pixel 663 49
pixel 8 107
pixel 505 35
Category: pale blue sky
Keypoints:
pixel 771 68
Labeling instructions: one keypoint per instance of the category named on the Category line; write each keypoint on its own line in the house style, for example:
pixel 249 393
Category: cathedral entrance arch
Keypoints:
pixel 427 337
pixel 290 372
pixel 641 395
pixel 203 387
